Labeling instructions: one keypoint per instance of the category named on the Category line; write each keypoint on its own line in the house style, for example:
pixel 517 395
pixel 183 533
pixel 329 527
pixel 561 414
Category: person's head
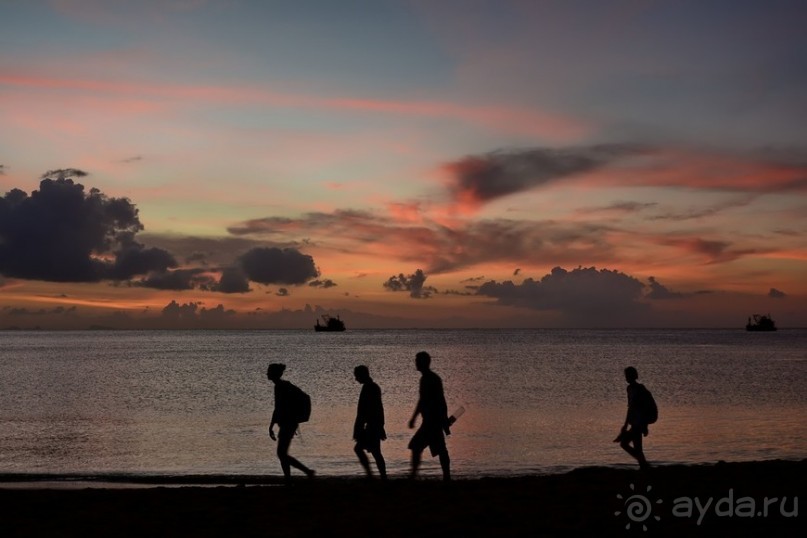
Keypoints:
pixel 275 371
pixel 362 373
pixel 422 361
pixel 631 374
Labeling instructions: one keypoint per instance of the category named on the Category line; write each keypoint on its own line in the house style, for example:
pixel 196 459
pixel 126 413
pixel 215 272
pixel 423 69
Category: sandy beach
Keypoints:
pixel 722 499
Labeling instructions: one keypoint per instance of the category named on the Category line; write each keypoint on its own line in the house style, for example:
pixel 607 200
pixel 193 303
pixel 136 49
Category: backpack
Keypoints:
pixel 301 404
pixel 648 407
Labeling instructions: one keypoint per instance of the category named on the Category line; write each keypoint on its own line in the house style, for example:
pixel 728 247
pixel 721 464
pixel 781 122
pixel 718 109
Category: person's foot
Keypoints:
pixel 310 473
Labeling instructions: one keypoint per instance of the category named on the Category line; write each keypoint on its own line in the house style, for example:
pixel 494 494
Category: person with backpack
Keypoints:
pixel 641 412
pixel 368 429
pixel 292 406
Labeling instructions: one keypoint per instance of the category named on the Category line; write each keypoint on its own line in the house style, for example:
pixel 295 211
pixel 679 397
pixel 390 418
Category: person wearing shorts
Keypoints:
pixel 368 430
pixel 433 411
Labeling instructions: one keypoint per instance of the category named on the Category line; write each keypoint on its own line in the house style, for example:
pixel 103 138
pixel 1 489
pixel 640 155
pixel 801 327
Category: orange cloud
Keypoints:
pixel 405 212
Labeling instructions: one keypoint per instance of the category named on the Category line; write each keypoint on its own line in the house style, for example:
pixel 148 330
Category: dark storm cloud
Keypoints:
pixel 278 266
pixel 233 280
pixel 327 283
pixel 482 178
pixel 413 283
pixel 583 295
pixel 62 233
pixel 240 261
pixel 776 294
pixel 137 260
pixel 658 291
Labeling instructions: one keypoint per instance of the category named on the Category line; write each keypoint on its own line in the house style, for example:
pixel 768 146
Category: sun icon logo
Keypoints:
pixel 638 507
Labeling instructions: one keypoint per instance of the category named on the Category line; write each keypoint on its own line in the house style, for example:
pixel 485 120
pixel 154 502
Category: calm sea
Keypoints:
pixel 537 401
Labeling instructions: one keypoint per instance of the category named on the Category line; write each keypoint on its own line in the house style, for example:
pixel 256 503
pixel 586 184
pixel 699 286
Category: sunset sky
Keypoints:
pixel 402 163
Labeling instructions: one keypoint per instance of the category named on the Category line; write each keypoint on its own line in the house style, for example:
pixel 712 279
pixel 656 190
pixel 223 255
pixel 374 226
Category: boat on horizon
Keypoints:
pixel 760 322
pixel 332 324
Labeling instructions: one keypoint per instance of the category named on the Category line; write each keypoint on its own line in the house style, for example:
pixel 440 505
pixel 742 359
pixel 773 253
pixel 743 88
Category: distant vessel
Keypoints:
pixel 331 324
pixel 760 323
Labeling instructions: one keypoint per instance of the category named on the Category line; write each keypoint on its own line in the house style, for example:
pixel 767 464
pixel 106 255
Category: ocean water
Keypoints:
pixel 537 401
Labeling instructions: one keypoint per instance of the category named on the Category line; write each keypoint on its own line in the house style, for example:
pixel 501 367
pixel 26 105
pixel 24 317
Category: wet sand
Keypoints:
pixel 583 502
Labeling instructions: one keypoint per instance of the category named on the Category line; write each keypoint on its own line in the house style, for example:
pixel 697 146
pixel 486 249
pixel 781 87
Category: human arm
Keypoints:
pixel 414 415
pixel 621 432
pixel 447 422
pixel 625 425
pixel 361 422
pixel 274 419
pixel 359 425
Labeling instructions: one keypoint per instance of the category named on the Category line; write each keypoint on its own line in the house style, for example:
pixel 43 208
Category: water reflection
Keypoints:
pixel 198 402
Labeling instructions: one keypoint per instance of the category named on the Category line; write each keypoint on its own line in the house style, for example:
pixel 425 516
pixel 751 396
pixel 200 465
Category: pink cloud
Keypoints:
pixel 699 169
pixel 476 180
pixel 514 120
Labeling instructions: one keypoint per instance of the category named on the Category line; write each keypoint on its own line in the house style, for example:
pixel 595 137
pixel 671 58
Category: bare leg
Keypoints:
pixel 632 444
pixel 286 461
pixel 380 463
pixel 445 463
pixel 283 442
pixel 297 465
pixel 415 463
pixel 365 463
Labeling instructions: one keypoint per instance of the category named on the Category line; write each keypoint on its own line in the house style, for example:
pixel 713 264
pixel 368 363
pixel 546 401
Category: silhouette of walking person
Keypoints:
pixel 635 426
pixel 285 418
pixel 433 410
pixel 368 430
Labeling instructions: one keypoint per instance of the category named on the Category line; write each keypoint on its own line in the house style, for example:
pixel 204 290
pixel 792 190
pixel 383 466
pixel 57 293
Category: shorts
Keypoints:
pixel 370 439
pixel 428 436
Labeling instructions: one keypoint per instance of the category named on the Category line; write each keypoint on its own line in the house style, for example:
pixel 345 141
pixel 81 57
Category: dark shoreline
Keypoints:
pixel 583 502
pixel 34 480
